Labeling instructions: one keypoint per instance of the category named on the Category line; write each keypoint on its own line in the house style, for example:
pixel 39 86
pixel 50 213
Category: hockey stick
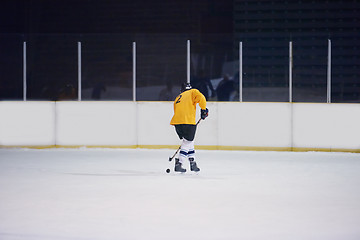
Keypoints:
pixel 171 158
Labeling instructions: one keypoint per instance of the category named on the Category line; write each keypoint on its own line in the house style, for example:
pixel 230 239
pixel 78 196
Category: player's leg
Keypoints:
pixel 188 143
pixel 186 132
pixel 185 150
pixel 183 153
pixel 191 157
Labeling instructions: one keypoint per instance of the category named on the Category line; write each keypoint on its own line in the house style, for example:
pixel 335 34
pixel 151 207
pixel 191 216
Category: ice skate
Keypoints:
pixel 193 165
pixel 178 166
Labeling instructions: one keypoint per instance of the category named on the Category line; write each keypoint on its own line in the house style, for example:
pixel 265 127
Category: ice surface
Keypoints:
pixel 108 194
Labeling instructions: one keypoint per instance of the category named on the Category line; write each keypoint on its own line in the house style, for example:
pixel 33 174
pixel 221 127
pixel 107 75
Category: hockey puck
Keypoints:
pixel 168 170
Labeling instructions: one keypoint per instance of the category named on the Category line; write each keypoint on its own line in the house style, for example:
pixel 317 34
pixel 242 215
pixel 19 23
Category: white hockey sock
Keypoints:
pixel 186 150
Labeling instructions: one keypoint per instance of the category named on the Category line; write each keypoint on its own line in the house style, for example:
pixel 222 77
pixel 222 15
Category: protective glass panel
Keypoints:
pixel 310 69
pixel 345 69
pixel 52 67
pixel 11 67
pixel 265 69
pixel 107 67
pixel 214 65
pixel 160 66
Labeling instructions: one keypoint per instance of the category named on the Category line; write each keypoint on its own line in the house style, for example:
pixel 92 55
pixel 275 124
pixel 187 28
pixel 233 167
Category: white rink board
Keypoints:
pixel 254 124
pixel 230 124
pixel 27 123
pixel 153 124
pixel 327 126
pixel 96 123
pixel 207 132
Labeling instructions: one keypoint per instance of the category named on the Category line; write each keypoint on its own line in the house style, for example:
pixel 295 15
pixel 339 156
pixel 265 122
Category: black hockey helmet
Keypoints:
pixel 185 86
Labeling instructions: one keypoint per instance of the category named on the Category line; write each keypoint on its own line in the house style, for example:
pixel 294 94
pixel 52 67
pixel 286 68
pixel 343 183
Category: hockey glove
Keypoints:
pixel 204 113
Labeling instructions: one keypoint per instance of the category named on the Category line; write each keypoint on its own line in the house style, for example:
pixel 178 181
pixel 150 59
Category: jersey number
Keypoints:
pixel 178 99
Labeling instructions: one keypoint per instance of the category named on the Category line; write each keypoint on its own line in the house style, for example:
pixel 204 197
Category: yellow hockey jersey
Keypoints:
pixel 185 107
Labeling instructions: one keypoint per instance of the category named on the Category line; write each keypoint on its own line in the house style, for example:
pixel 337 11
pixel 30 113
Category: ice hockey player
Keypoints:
pixel 185 126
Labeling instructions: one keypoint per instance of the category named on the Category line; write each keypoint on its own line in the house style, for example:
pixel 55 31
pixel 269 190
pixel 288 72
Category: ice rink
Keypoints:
pixel 125 194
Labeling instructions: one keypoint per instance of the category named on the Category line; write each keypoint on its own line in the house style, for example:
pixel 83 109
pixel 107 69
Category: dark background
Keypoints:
pixel 107 29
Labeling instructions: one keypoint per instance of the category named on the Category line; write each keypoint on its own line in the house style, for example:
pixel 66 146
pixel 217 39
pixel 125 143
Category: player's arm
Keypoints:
pixel 200 98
